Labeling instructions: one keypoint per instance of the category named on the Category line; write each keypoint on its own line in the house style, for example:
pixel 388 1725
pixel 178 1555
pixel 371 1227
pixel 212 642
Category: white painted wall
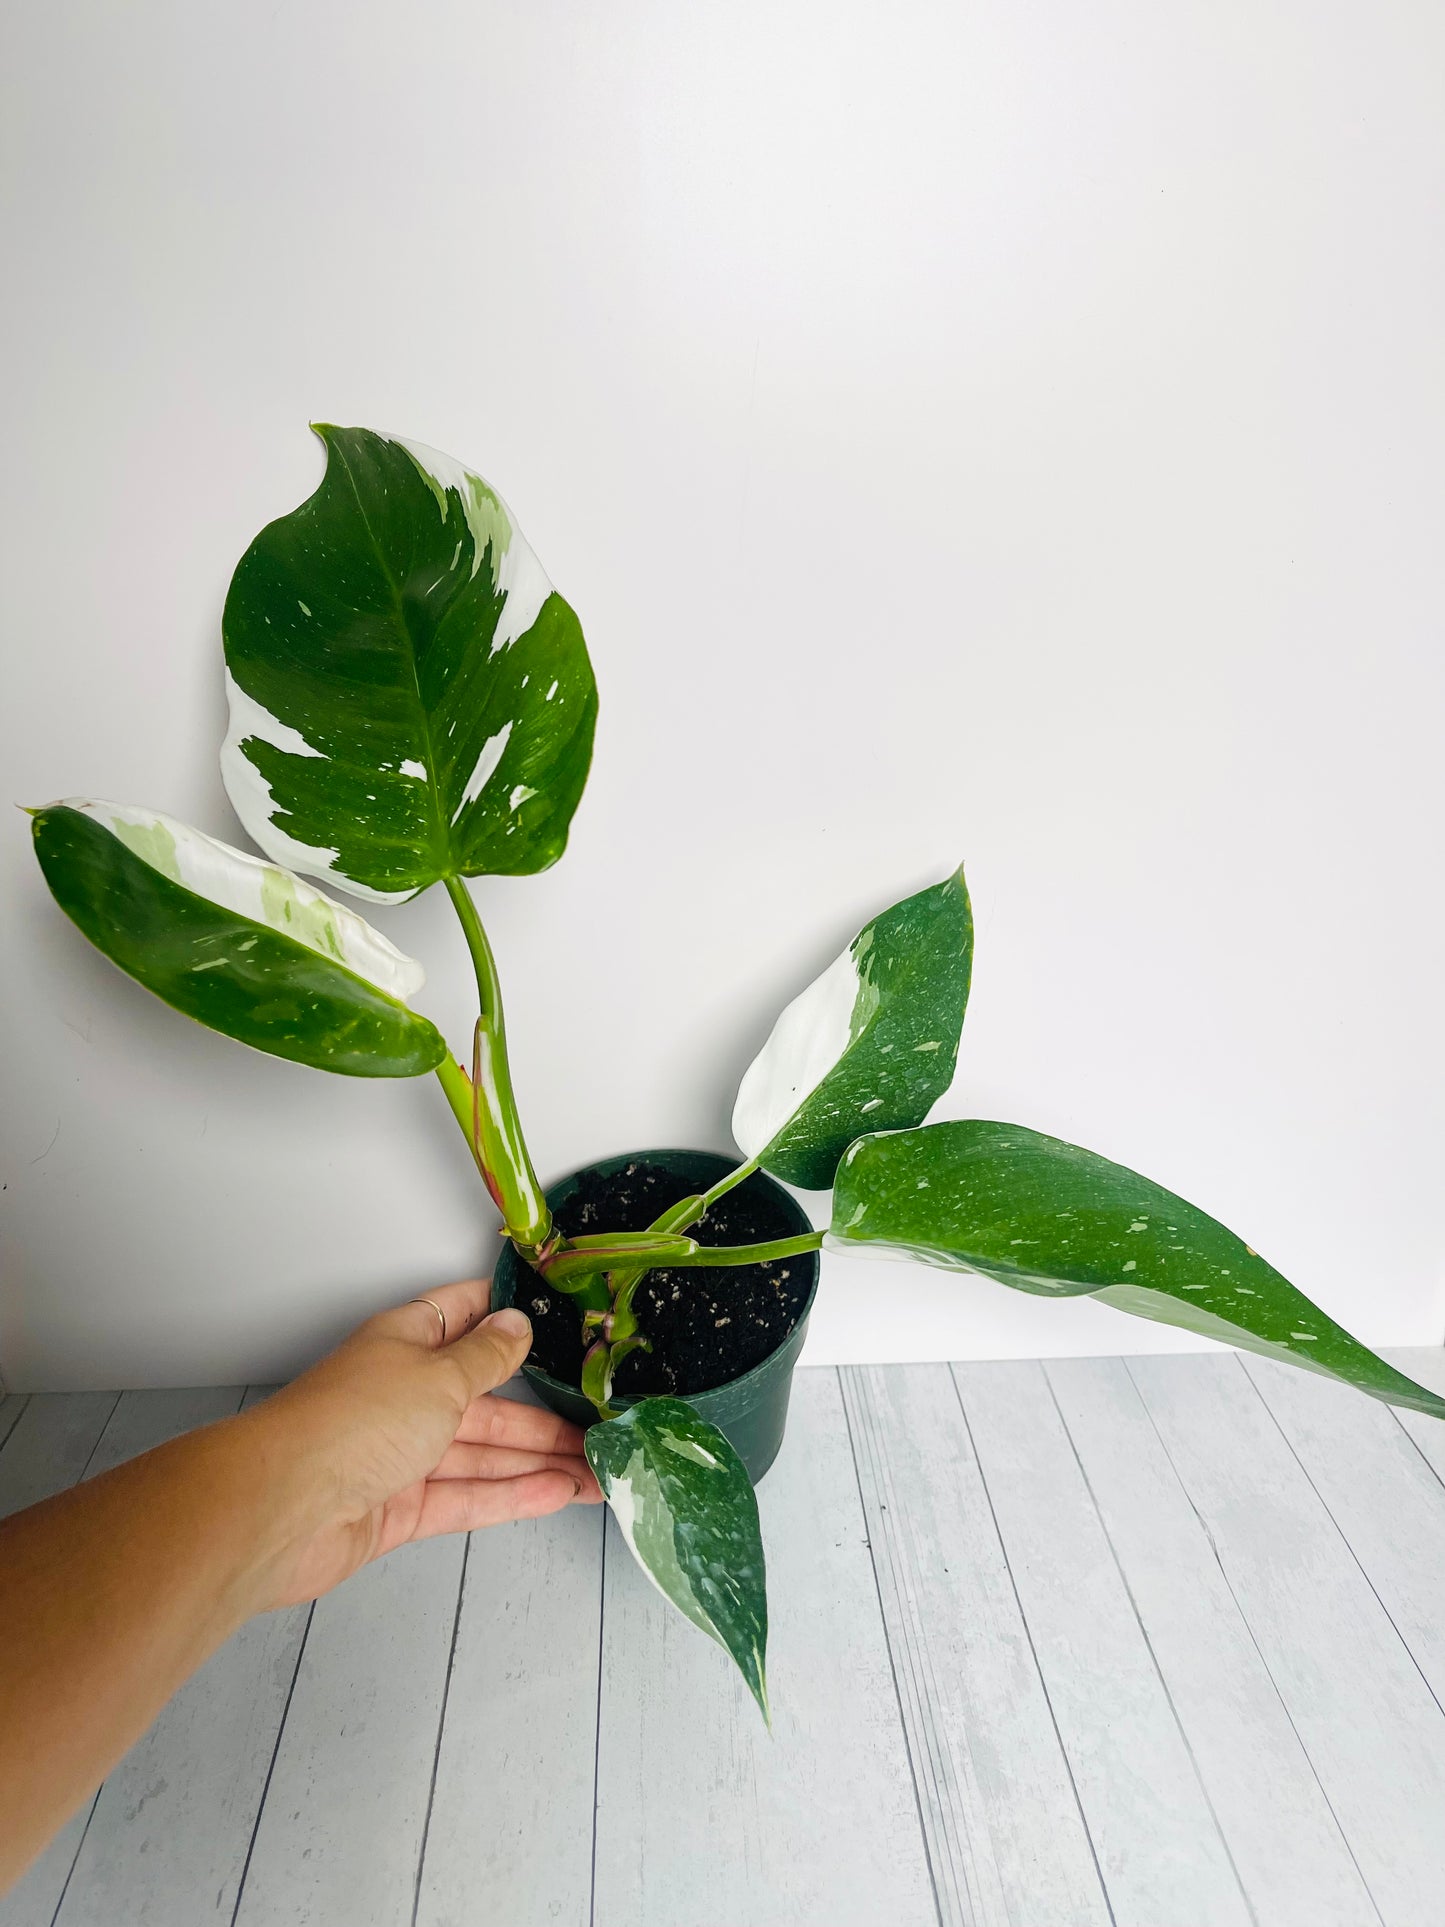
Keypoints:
pixel 1008 431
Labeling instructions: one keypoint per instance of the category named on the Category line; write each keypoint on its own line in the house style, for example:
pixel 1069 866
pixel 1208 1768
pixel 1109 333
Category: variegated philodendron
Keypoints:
pixel 412 703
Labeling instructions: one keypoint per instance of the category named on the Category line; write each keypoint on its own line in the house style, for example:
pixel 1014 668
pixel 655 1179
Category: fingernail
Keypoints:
pixel 511 1322
pixel 576 1488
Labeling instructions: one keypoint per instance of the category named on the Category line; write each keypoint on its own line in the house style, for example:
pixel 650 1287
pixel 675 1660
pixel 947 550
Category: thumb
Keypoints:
pixel 494 1351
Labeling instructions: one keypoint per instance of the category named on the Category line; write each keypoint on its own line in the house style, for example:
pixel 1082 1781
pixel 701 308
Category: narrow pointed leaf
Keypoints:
pixel 410 697
pixel 687 1509
pixel 869 1046
pixel 238 944
pixel 1045 1216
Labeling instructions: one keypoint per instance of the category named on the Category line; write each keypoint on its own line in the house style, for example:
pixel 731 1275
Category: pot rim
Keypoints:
pixel 623 1400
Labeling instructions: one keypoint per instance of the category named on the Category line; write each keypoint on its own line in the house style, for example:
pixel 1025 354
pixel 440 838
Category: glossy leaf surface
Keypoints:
pixel 869 1046
pixel 238 944
pixel 410 698
pixel 1045 1216
pixel 686 1507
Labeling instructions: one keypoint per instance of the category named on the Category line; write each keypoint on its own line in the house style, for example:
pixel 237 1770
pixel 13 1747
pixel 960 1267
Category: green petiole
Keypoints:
pixel 683 1253
pixel 486 1108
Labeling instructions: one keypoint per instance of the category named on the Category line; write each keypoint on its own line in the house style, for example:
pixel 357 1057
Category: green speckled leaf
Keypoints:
pixel 687 1509
pixel 1047 1217
pixel 240 945
pixel 869 1046
pixel 410 698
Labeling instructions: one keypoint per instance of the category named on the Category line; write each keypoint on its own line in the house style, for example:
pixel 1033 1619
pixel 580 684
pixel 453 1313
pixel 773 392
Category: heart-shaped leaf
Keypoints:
pixel 1045 1216
pixel 687 1508
pixel 869 1046
pixel 410 698
pixel 236 943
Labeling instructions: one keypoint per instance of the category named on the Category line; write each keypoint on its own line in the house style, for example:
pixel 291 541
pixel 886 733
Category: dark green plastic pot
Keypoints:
pixel 750 1411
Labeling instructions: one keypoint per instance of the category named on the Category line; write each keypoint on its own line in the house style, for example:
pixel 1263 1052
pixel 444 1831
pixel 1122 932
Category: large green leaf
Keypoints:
pixel 237 944
pixel 410 698
pixel 1045 1216
pixel 870 1045
pixel 686 1507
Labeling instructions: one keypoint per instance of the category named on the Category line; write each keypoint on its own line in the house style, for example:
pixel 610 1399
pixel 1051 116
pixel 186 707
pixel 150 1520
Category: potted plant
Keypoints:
pixel 412 703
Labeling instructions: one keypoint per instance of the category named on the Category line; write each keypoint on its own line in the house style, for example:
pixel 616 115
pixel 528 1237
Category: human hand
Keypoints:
pixel 394 1437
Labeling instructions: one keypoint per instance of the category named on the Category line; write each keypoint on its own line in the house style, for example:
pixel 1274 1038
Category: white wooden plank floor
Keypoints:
pixel 1092 1643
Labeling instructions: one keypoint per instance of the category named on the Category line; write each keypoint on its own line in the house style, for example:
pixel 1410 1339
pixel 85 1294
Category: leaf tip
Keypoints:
pixel 760 1694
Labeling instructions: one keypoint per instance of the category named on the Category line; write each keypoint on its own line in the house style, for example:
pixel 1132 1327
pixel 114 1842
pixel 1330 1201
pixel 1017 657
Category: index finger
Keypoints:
pixel 528 1428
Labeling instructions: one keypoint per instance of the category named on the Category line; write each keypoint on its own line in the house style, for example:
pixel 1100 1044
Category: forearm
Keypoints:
pixel 111 1595
pixel 114 1593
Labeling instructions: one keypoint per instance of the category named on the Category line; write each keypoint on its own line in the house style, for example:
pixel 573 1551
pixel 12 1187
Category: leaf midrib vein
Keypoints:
pixel 438 815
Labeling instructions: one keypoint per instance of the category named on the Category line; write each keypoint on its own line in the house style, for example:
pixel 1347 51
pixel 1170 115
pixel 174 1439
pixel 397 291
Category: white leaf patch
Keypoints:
pixel 805 1044
pixel 484 769
pixel 261 892
pixel 869 1045
pixel 683 1502
pixel 646 1520
pixel 251 796
pixel 516 573
pixel 345 762
pixel 646 1524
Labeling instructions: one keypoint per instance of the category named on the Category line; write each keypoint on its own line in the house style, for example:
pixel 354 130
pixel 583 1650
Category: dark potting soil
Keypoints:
pixel 707 1325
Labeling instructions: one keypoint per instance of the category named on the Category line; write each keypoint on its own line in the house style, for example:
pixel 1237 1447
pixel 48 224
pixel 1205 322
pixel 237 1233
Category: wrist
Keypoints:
pixel 270 1492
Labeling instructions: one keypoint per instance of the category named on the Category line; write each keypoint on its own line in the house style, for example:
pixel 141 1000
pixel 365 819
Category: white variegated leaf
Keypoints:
pixel 259 891
pixel 1048 1217
pixel 686 1507
pixel 240 945
pixel 410 697
pixel 868 1046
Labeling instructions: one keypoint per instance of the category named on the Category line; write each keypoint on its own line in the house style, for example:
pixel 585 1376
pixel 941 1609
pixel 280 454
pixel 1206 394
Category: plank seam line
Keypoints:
pixel 1289 1444
pixel 1033 1650
pixel 1424 1456
pixel 1149 1648
pixel 962 1850
pixel 927 1765
pixel 901 1549
pixel 849 1391
pixel 22 1400
pixel 1253 1640
pixel 75 1858
pixel 597 1730
pixel 95 1797
pixel 100 1438
pixel 95 1801
pixel 271 1766
pixel 441 1728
